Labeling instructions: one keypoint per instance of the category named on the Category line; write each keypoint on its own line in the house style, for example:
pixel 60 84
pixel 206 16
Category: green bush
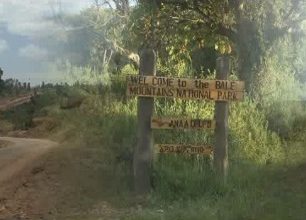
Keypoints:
pixel 106 122
pixel 277 90
pixel 21 116
pixel 251 144
pixel 250 138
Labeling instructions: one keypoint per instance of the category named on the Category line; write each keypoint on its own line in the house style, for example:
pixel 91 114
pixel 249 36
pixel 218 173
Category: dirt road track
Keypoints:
pixel 19 154
pixel 8 104
pixel 18 167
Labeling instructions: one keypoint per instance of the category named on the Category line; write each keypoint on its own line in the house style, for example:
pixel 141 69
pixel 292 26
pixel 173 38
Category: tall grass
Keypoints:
pixel 108 120
pixel 184 187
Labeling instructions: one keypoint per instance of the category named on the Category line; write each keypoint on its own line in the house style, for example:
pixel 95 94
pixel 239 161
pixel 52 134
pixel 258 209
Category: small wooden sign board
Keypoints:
pixel 183 149
pixel 184 93
pixel 170 82
pixel 181 123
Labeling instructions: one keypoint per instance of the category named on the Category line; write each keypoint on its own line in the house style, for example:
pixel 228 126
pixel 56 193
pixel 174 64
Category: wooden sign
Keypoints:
pixel 200 84
pixel 183 149
pixel 178 123
pixel 184 93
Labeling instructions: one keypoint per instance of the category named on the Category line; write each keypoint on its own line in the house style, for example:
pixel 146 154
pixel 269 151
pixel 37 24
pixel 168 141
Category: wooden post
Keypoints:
pixel 143 153
pixel 221 130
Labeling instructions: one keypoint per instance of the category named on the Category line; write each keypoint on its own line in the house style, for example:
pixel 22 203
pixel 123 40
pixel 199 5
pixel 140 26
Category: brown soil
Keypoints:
pixel 56 183
pixel 7 103
pixel 17 165
pixel 4 144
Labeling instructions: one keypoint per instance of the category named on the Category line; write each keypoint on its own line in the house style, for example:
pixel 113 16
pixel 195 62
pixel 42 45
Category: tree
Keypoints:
pixel 245 29
pixel 96 35
pixel 1 81
pixel 1 73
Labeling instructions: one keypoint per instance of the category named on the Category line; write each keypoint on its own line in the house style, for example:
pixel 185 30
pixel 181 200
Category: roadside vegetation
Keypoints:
pixel 266 170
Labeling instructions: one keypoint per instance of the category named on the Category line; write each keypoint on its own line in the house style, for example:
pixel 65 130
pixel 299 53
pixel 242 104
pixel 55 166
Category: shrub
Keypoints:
pixel 278 92
pixel 250 138
pixel 107 121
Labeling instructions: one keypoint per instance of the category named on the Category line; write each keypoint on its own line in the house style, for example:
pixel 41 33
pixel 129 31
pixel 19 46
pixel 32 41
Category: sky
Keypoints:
pixel 25 26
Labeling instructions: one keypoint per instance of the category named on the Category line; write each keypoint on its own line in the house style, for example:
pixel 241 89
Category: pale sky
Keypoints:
pixel 25 26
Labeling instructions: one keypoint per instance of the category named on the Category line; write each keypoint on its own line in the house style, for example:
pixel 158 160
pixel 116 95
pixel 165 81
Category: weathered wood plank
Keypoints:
pixel 182 123
pixel 183 93
pixel 201 84
pixel 221 131
pixel 143 153
pixel 182 149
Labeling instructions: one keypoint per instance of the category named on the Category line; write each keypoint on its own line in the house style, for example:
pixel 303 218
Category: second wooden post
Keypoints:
pixel 221 130
pixel 144 150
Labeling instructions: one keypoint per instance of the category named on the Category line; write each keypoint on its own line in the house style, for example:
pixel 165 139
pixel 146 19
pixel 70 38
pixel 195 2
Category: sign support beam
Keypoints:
pixel 144 149
pixel 221 130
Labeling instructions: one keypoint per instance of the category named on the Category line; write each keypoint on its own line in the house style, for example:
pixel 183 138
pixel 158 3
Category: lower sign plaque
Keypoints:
pixel 182 123
pixel 183 149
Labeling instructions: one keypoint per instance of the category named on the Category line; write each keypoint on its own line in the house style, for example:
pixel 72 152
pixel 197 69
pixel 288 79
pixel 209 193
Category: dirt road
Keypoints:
pixel 6 104
pixel 18 154
pixel 18 157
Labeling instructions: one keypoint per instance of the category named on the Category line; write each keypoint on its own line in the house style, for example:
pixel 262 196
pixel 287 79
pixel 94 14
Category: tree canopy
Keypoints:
pixel 189 33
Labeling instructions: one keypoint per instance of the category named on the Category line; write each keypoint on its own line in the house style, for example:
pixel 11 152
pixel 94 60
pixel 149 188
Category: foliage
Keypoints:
pixel 277 89
pixel 12 87
pixel 247 29
pixel 20 117
pixel 108 120
pixel 94 38
pixel 251 140
pixel 1 81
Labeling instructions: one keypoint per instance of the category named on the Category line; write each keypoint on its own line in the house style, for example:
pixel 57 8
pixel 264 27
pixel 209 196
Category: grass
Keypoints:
pixel 266 181
pixel 183 188
pixel 251 193
pixel 95 189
